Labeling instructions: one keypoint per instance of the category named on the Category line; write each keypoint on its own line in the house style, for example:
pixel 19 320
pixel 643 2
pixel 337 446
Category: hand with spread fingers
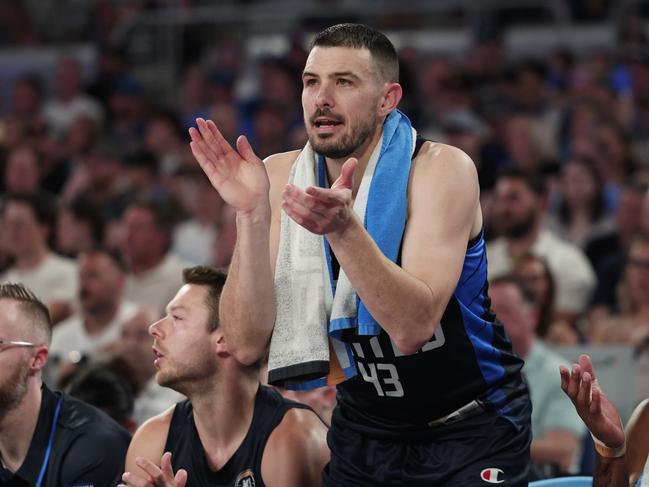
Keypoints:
pixel 597 412
pixel 238 175
pixel 323 210
pixel 162 476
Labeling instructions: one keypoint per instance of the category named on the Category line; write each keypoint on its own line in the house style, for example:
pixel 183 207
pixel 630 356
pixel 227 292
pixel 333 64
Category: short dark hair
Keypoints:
pixel 88 209
pixel 165 211
pixel 104 389
pixel 214 280
pixel 113 255
pixel 515 280
pixel 360 36
pixel 33 308
pixel 531 179
pixel 42 204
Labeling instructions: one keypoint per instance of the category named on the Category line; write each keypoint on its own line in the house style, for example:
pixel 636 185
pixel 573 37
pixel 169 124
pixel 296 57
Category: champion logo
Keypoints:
pixel 493 475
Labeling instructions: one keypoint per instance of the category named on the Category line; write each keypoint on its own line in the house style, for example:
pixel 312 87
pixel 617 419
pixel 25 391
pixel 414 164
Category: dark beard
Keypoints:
pixel 521 229
pixel 13 390
pixel 347 143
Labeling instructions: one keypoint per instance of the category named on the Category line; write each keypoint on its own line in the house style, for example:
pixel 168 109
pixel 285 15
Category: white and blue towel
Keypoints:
pixel 312 309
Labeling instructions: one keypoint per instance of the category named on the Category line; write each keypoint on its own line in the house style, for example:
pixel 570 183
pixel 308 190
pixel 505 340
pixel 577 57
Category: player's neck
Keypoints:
pixel 17 427
pixel 221 434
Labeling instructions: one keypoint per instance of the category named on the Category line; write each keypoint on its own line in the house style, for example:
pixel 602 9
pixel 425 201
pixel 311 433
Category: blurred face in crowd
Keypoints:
pixel 516 208
pixel 534 272
pixel 184 350
pixel 628 215
pixel 143 240
pixel 24 234
pixel 25 99
pixel 72 235
pixel 578 184
pixel 341 96
pixel 68 79
pixel 516 315
pixel 22 173
pixel 100 283
pixel 638 272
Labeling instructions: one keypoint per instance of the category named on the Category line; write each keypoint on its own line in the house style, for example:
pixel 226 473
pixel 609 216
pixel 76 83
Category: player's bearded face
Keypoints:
pixel 349 133
pixel 182 368
pixel 14 387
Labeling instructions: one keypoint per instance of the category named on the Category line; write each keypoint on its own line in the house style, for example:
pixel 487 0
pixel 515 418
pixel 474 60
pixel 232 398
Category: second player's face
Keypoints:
pixel 340 97
pixel 182 347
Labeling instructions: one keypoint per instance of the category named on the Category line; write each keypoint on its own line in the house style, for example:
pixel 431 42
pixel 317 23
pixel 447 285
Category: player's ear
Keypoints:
pixel 220 344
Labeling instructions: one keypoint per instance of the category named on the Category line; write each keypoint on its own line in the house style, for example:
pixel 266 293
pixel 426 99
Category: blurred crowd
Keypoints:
pixel 103 204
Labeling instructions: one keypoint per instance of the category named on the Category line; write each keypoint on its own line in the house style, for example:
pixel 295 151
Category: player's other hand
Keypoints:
pixel 594 408
pixel 162 476
pixel 323 210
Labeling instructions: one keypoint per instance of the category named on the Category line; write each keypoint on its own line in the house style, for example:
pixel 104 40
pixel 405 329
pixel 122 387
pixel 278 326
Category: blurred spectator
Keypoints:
pixel 631 324
pixel 164 139
pixel 22 172
pixel 103 310
pixel 556 429
pixel 127 113
pixel 140 175
pixel 194 101
pixel 28 221
pixel 580 216
pixel 26 103
pixel 104 389
pixel 80 225
pixel 270 130
pixel 194 238
pixel 608 252
pixel 99 173
pixel 155 273
pixel 69 102
pixel 47 438
pixel 520 200
pixel 535 273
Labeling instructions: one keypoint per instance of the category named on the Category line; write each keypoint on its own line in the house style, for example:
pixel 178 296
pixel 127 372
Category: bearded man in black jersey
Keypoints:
pixel 232 431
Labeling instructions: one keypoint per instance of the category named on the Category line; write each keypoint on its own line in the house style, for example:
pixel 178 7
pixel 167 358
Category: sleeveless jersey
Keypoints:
pixel 469 357
pixel 243 469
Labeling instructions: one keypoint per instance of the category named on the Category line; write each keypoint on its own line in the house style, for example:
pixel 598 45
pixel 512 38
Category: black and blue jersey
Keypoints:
pixel 469 357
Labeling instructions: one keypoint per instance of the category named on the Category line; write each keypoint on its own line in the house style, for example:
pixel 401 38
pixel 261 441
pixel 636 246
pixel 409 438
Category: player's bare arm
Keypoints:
pixel 407 301
pixel 296 451
pixel 148 442
pixel 637 433
pixel 242 179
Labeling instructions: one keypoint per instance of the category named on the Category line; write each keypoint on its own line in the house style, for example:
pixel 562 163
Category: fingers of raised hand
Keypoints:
pixel 587 366
pixel 132 480
pixel 181 478
pixel 585 390
pixel 157 475
pixel 574 382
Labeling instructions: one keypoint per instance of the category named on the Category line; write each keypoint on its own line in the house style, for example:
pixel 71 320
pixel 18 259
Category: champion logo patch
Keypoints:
pixel 493 475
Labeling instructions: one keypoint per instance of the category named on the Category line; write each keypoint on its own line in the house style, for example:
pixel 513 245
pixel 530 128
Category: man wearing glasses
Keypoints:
pixel 46 438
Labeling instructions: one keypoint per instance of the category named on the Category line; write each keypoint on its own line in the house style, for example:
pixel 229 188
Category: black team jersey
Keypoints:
pixel 243 469
pixel 469 357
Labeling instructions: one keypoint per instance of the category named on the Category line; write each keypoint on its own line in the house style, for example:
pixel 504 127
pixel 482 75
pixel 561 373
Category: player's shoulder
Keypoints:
pixel 150 438
pixel 156 428
pixel 438 155
pixel 298 427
